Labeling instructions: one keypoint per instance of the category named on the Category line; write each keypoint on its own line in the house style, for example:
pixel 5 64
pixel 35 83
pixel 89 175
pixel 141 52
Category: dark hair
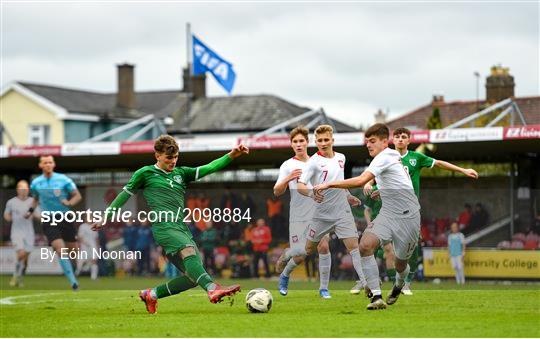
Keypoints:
pixel 299 130
pixel 166 144
pixel 378 130
pixel 401 130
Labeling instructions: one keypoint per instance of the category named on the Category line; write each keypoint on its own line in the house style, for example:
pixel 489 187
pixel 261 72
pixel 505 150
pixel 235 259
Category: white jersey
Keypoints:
pixel 301 207
pixel 397 193
pixel 87 237
pixel 18 208
pixel 320 169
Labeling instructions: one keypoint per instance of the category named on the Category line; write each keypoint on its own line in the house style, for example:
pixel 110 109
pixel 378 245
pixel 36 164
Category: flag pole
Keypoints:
pixel 189 85
pixel 189 48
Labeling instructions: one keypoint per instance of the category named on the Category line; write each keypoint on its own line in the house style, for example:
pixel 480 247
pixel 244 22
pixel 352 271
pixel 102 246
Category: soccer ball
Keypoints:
pixel 259 300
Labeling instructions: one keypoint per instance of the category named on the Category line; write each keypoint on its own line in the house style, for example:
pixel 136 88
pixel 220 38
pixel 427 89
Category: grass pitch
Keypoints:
pixel 111 308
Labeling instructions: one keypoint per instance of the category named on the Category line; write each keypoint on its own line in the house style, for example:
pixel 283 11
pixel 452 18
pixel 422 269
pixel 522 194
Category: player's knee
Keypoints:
pixel 366 247
pixel 186 252
pixel 323 247
pixel 401 265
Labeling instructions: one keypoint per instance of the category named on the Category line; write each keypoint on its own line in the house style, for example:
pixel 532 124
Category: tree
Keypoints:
pixel 434 121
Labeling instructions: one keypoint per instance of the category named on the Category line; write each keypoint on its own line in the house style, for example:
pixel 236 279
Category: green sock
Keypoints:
pixel 174 286
pixel 413 264
pixel 196 271
pixel 391 272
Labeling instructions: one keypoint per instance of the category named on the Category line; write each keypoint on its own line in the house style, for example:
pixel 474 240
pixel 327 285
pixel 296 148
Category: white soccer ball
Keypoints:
pixel 259 300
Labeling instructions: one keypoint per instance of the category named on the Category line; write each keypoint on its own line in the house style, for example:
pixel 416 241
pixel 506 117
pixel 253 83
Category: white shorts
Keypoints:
pixel 403 232
pixel 297 234
pixel 457 262
pixel 23 241
pixel 344 228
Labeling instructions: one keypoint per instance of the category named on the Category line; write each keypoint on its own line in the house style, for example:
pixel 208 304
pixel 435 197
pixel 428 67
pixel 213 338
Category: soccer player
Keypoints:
pixel 398 220
pixel 164 186
pixel 22 230
pixel 88 240
pixel 414 162
pixel 456 251
pixel 301 211
pixel 56 192
pixel 334 213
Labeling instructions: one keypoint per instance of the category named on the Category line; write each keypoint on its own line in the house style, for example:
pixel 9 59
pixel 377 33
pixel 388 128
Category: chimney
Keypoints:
pixel 125 97
pixel 195 84
pixel 437 100
pixel 499 85
pixel 380 117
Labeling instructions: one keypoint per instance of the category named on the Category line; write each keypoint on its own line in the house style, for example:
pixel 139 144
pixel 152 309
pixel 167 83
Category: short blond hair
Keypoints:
pixel 324 129
pixel 299 130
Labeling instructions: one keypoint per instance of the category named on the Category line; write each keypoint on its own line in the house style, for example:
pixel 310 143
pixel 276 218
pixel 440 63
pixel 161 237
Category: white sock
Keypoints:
pixel 325 264
pixel 291 265
pixel 400 277
pixel 94 271
pixel 371 274
pixel 357 263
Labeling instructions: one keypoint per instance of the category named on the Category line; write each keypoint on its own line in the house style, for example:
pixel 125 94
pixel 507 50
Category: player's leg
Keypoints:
pixel 297 243
pixel 405 233
pixel 325 263
pixel 54 236
pixel 390 261
pixel 376 234
pixel 461 270
pixel 345 229
pixel 413 264
pixel 17 240
pixel 171 287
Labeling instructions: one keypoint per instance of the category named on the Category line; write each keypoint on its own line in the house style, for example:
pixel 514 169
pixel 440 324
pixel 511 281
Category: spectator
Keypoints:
pixel 465 217
pixel 274 208
pixel 202 203
pixel 246 203
pixel 229 200
pixel 208 242
pixel 456 251
pixel 479 217
pixel 240 258
pixel 261 237
pixel 144 244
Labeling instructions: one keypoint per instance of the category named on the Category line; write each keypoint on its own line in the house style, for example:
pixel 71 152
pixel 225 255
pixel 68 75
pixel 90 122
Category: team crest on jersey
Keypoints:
pixel 412 162
pixel 178 179
pixel 294 238
pixel 341 163
pixel 57 192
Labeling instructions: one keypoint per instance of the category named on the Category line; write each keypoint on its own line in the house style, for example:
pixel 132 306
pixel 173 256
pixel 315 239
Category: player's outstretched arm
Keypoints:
pixel 281 186
pixel 358 181
pixel 221 163
pixel 471 173
pixel 118 202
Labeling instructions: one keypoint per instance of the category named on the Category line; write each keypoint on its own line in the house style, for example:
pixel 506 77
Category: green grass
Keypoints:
pixel 110 308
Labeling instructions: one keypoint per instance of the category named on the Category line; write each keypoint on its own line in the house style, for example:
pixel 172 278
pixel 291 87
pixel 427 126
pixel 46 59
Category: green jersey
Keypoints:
pixel 163 191
pixel 164 194
pixel 413 163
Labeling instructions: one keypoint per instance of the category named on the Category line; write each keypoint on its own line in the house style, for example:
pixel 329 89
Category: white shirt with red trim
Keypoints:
pixel 394 183
pixel 320 169
pixel 301 207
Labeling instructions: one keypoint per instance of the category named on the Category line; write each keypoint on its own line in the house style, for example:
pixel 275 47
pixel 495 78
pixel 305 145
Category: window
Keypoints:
pixel 39 134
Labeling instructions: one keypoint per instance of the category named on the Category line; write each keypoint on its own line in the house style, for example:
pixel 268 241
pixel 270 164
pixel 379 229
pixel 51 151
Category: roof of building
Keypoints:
pixel 210 114
pixel 454 111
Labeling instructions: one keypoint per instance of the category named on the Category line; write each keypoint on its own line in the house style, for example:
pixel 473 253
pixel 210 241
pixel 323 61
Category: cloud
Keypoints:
pixel 346 57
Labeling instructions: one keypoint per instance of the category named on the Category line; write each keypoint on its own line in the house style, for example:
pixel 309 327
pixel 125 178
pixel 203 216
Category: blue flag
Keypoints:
pixel 206 60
